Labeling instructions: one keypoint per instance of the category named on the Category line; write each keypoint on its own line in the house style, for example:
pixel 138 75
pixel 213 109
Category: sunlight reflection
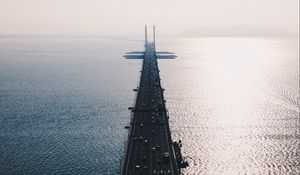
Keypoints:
pixel 232 95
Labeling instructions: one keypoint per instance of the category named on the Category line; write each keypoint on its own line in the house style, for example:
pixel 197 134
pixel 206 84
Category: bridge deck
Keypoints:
pixel 150 148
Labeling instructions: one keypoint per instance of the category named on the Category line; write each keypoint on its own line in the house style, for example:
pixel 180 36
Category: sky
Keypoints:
pixel 128 17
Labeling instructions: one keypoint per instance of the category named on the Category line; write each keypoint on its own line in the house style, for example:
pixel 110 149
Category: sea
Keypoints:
pixel 233 102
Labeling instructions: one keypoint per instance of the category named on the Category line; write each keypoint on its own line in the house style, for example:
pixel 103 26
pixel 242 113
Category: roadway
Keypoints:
pixel 150 149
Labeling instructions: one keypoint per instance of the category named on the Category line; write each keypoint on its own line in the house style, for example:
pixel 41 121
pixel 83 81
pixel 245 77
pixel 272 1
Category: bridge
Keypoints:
pixel 150 149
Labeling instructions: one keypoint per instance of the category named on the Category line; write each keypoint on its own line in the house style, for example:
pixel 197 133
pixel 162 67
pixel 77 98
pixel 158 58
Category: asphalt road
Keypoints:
pixel 149 149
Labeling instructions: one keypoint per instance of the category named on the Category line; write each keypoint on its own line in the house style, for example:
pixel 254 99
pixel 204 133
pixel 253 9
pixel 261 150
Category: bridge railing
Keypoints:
pixel 129 130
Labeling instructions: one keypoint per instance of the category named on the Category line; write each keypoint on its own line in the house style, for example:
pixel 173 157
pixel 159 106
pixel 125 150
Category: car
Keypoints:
pixel 166 155
pixel 158 161
pixel 152 132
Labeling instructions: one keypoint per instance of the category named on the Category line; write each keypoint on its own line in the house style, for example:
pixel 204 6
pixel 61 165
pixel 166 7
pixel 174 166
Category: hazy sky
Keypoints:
pixel 127 17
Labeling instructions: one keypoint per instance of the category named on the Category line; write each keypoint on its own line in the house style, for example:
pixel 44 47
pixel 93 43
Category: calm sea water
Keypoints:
pixel 234 103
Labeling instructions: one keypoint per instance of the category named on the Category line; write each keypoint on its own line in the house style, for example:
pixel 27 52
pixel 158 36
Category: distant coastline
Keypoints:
pixel 202 31
pixel 237 31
